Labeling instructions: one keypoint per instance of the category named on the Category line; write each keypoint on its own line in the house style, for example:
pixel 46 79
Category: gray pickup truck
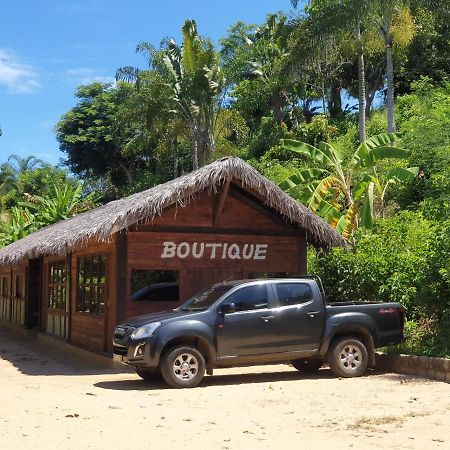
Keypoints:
pixel 250 322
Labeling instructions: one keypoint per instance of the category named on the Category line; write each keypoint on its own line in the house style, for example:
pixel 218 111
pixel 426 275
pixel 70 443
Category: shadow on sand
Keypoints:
pixel 35 358
pixel 219 380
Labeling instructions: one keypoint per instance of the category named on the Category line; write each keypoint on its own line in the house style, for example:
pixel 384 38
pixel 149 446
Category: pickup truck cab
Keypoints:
pixel 249 322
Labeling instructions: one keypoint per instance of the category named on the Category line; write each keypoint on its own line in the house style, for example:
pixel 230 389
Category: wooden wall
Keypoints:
pixel 5 293
pixel 231 222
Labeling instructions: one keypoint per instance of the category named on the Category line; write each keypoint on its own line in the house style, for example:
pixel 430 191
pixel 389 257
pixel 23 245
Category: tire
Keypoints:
pixel 348 357
pixel 149 374
pixel 183 367
pixel 307 365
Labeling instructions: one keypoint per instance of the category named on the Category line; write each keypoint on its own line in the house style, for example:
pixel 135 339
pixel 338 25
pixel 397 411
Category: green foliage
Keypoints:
pixel 344 194
pixel 405 259
pixel 268 135
pixel 35 194
pixel 424 119
pixel 60 203
pixel 319 129
pixel 16 224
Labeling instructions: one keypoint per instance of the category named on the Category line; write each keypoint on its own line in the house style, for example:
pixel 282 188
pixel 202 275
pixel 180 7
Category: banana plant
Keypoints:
pixel 60 204
pixel 17 224
pixel 344 195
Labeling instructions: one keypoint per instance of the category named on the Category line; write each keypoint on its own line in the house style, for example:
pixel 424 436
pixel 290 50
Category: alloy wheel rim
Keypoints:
pixel 185 366
pixel 350 357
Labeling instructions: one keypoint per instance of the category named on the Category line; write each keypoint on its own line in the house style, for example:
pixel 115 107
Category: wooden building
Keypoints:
pixel 148 252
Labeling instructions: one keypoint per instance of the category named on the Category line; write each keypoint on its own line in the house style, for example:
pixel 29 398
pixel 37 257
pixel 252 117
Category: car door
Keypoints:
pixel 299 316
pixel 250 330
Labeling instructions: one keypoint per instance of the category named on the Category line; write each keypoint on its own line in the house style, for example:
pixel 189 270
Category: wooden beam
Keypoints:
pixel 220 202
pixel 219 230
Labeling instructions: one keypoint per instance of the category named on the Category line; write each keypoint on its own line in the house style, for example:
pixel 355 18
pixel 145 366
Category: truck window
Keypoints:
pixel 250 298
pixel 293 293
pixel 154 285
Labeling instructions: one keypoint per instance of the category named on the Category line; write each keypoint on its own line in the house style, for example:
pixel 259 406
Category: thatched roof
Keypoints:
pixel 102 222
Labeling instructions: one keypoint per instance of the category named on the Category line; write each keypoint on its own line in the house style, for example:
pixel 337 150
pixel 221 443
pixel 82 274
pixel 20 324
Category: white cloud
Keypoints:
pixel 17 77
pixel 87 75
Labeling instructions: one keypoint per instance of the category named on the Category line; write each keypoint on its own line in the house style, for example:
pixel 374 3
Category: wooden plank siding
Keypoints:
pixel 18 294
pixel 5 293
pixel 89 330
pixel 213 219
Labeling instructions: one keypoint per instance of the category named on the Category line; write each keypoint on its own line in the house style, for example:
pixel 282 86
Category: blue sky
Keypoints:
pixel 49 47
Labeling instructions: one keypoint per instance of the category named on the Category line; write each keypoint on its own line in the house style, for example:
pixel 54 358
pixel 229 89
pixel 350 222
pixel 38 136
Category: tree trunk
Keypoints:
pixel 128 172
pixel 335 103
pixel 374 78
pixel 361 94
pixel 277 107
pixel 195 153
pixel 390 88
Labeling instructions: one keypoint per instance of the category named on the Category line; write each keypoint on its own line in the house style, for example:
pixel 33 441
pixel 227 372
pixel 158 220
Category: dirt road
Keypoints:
pixel 52 400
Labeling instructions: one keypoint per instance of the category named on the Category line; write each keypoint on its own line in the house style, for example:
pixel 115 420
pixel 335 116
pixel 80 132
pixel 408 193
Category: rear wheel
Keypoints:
pixel 307 365
pixel 183 367
pixel 348 357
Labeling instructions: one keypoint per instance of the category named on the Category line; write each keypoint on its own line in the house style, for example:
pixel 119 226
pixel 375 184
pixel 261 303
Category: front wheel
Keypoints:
pixel 348 357
pixel 183 367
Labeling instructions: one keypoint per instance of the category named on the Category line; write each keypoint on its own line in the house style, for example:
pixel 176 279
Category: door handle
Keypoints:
pixel 267 318
pixel 313 314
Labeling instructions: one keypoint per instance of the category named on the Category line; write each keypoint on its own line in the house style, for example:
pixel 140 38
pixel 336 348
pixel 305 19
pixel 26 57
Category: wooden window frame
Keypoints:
pixel 92 285
pixel 61 286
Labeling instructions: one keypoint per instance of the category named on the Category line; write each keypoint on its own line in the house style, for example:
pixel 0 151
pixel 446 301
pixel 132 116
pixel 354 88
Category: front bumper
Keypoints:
pixel 138 353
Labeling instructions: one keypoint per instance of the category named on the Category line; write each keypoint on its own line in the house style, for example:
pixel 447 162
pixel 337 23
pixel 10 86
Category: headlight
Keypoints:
pixel 145 331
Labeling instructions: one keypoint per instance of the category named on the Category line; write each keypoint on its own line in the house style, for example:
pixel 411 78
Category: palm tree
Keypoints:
pixel 194 76
pixel 395 24
pixel 270 45
pixel 10 172
pixel 18 165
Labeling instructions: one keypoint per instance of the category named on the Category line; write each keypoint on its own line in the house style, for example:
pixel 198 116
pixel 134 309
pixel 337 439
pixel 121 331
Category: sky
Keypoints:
pixel 49 47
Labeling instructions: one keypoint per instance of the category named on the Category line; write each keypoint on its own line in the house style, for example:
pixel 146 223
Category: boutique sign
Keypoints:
pixel 214 250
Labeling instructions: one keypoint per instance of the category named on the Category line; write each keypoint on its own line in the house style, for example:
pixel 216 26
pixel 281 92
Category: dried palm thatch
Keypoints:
pixel 102 222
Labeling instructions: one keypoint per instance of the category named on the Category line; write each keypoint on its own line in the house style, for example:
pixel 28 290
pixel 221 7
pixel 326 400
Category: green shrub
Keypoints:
pixel 406 259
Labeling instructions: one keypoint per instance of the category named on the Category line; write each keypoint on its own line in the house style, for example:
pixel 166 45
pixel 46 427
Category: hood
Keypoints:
pixel 140 321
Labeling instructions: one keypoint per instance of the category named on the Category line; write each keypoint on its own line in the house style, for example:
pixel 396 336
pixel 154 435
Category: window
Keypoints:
pixel 154 286
pixel 250 298
pixel 91 280
pixel 4 292
pixel 19 282
pixel 204 299
pixel 57 279
pixel 293 293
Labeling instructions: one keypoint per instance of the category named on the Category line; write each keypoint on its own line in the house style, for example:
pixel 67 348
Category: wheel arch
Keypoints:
pixel 199 342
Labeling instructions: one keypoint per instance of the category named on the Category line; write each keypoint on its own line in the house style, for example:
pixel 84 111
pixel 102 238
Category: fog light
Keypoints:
pixel 139 350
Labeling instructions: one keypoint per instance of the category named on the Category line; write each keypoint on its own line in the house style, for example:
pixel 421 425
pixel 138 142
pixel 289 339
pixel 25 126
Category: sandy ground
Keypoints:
pixel 52 400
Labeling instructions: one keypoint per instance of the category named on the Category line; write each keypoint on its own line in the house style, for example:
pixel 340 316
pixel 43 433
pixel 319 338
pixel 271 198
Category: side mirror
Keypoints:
pixel 227 308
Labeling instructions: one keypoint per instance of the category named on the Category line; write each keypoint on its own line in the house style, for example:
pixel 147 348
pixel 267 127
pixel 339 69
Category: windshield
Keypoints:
pixel 204 299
